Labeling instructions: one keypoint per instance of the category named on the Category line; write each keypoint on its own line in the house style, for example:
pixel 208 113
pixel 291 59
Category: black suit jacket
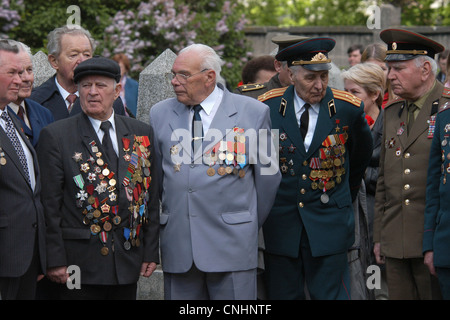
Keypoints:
pixel 70 238
pixel 21 211
pixel 48 95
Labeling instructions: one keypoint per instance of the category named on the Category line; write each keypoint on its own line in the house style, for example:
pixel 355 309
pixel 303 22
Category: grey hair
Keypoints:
pixel 420 60
pixel 210 59
pixel 54 38
pixel 8 46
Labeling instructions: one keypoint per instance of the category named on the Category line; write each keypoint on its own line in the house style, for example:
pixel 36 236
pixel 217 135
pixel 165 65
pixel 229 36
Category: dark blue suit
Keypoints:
pixel 47 94
pixel 38 116
pixel 313 207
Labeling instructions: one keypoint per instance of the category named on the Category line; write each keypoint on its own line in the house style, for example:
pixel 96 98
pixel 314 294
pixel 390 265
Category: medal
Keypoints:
pixel 211 172
pixel 324 198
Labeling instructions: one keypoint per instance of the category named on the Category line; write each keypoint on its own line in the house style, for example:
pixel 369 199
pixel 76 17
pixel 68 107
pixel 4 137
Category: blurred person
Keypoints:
pixel 129 92
pixel 67 47
pixel 442 64
pixel 259 70
pixel 354 53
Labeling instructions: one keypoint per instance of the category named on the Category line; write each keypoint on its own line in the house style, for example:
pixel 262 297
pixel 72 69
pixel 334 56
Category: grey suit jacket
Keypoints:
pixel 21 211
pixel 213 220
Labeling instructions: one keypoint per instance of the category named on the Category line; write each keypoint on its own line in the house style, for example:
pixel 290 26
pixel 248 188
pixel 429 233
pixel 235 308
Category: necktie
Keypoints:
pixel 20 113
pixel 411 109
pixel 71 98
pixel 197 129
pixel 304 121
pixel 11 133
pixel 108 147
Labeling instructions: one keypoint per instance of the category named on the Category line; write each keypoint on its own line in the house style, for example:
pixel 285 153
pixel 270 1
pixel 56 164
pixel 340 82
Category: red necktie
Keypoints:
pixel 71 98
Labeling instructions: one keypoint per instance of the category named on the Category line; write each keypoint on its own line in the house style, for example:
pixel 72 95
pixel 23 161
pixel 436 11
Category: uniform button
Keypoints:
pixel 407 155
pixel 190 190
pixel 407 202
pixel 406 187
pixel 302 191
pixel 301 205
pixel 304 177
pixel 407 171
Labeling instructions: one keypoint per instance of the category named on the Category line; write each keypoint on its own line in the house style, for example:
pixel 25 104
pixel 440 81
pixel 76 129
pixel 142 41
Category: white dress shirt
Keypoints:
pixel 313 114
pixel 209 109
pixel 112 131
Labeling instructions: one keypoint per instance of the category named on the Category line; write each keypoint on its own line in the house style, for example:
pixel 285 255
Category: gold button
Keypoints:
pixel 304 176
pixel 301 205
pixel 407 155
pixel 407 202
pixel 302 191
pixel 406 187
pixel 305 163
pixel 407 171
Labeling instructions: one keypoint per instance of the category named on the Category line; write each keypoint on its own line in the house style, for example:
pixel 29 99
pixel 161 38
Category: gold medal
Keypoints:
pixel 241 173
pixel 221 171
pixel 2 161
pixel 104 251
pixel 228 170
pixel 107 226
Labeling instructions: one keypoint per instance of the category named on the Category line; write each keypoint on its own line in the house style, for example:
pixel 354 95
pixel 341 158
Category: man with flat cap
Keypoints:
pixel 100 193
pixel 325 146
pixel 279 80
pixel 409 124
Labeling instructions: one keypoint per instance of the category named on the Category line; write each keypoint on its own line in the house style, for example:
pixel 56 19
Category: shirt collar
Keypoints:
pixel 209 102
pixel 64 92
pixel 96 123
pixel 300 103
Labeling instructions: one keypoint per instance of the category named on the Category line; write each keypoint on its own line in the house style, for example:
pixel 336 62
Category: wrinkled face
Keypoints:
pixel 311 86
pixel 405 78
pixel 75 49
pixel 97 95
pixel 192 83
pixel 11 70
pixel 27 75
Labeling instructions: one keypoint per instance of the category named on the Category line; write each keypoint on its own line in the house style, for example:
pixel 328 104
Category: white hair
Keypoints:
pixel 420 60
pixel 210 59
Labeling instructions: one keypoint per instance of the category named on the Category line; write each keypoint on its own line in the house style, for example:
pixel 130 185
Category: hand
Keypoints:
pixel 428 261
pixel 147 269
pixel 377 251
pixel 58 274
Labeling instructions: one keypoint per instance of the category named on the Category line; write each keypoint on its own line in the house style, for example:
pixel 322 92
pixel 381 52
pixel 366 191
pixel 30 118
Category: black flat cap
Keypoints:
pixel 406 45
pixel 97 65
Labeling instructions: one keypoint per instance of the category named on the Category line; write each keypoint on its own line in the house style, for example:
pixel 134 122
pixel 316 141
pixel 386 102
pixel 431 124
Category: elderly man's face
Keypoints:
pixel 75 49
pixel 406 78
pixel 311 86
pixel 97 95
pixel 10 77
pixel 27 76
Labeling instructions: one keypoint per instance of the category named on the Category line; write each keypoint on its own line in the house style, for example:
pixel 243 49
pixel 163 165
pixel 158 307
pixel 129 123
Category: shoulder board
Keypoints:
pixel 346 96
pixel 446 92
pixel 251 87
pixel 445 106
pixel 278 92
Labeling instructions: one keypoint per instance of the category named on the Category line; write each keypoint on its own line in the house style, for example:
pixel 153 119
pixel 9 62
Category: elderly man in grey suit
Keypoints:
pixel 214 199
pixel 22 226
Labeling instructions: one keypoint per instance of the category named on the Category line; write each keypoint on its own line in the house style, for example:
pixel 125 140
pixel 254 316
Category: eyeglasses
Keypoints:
pixel 181 78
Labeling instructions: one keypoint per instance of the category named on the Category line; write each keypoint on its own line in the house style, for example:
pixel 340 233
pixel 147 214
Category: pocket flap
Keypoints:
pixel 76 233
pixel 237 217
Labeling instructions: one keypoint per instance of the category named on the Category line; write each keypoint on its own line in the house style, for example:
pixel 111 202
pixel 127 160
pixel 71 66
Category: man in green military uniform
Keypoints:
pixel 401 186
pixel 281 79
pixel 325 145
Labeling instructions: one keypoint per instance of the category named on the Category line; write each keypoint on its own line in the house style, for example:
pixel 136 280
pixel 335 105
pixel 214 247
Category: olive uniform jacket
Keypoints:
pixel 401 186
pixel 317 186
pixel 436 236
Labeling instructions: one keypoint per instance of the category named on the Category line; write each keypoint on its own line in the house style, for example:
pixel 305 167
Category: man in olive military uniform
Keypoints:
pixel 281 79
pixel 401 187
pixel 325 145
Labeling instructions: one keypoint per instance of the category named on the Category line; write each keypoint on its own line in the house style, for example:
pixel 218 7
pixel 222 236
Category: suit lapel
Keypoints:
pixel 88 135
pixel 180 126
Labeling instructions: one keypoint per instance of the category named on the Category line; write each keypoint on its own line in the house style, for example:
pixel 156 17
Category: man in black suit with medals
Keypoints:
pixel 100 200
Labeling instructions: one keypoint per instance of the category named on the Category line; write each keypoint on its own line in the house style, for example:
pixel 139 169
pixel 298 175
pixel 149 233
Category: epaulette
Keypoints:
pixel 445 106
pixel 346 96
pixel 446 92
pixel 251 87
pixel 272 94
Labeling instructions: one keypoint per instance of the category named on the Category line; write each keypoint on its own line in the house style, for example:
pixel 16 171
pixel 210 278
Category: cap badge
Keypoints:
pixel 394 46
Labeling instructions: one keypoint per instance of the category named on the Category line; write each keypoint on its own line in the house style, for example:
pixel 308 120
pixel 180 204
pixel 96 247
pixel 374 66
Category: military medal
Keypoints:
pixel 126 148
pixel 324 198
pixel 211 171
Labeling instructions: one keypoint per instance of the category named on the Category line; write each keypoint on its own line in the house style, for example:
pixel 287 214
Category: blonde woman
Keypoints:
pixel 367 81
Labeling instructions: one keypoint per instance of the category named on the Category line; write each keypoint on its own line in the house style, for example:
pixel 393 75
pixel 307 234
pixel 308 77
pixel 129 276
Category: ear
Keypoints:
pixel 117 91
pixel 291 75
pixel 211 76
pixel 53 61
pixel 426 69
pixel 277 65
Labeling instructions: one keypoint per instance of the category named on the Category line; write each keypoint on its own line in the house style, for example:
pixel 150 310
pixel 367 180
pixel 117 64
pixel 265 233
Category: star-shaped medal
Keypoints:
pixel 77 156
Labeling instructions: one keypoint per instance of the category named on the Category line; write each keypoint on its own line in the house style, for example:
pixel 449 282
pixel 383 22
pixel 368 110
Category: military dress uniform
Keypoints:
pixel 436 236
pixel 313 207
pixel 401 185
